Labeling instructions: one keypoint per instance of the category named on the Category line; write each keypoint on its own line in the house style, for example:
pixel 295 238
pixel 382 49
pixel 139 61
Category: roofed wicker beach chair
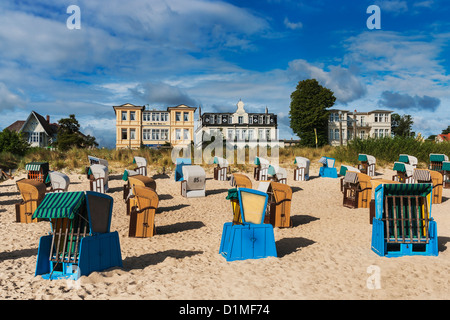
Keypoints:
pixel 411 160
pixel 37 171
pixel 301 172
pixel 32 192
pixel 240 180
pixel 277 174
pixel 405 172
pixel 252 239
pixel 433 177
pixel 436 161
pixel 142 216
pixel 403 225
pixel 136 180
pixel 327 170
pixel 98 178
pixel 342 171
pixel 367 165
pixel 446 174
pixel 357 190
pixel 279 205
pixel 94 160
pixel 59 182
pixel 180 163
pixel 375 183
pixel 260 172
pixel 141 164
pixel 80 241
pixel 193 184
pixel 221 170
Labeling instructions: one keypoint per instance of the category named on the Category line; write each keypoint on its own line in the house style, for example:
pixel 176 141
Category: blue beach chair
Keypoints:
pixel 327 170
pixel 252 239
pixel 403 225
pixel 80 241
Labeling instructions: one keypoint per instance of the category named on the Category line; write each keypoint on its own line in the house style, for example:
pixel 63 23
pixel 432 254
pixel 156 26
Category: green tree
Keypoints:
pixel 13 142
pixel 401 125
pixel 308 112
pixel 445 131
pixel 69 135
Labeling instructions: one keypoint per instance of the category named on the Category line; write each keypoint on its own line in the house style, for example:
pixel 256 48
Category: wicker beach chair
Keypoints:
pixel 98 178
pixel 241 181
pixel 433 177
pixel 403 225
pixel 277 174
pixel 141 164
pixel 59 182
pixel 405 172
pixel 279 205
pixel 260 172
pixel 193 184
pixel 142 216
pixel 252 239
pixel 32 192
pixel 375 183
pixel 136 180
pixel 301 172
pixel 446 174
pixel 327 170
pixel 436 161
pixel 342 172
pixel 367 165
pixel 37 171
pixel 80 241
pixel 221 170
pixel 357 190
pixel 408 159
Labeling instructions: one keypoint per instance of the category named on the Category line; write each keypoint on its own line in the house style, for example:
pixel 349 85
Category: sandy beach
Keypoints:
pixel 325 255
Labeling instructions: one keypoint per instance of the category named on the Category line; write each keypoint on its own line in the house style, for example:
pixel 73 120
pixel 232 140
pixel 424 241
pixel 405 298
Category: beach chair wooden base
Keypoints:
pixel 220 174
pixel 402 178
pixel 260 173
pixel 25 210
pixel 366 168
pixel 350 199
pixel 279 205
pixel 299 174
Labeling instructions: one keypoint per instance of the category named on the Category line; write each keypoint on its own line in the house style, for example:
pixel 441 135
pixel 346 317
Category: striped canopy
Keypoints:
pixel 60 205
pixel 438 157
pixel 446 165
pixel 419 189
pixel 345 168
pixel 36 166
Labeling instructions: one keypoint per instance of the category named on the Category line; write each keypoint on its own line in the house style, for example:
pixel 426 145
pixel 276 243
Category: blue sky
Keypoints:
pixel 212 53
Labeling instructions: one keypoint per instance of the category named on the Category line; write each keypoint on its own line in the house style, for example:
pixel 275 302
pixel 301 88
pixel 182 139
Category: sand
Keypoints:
pixel 325 255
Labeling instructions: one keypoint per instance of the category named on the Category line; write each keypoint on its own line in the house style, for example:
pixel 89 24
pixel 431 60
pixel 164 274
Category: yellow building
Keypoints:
pixel 136 127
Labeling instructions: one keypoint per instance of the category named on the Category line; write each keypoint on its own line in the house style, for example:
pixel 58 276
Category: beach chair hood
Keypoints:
pixel 278 171
pixel 223 163
pixel 195 177
pixel 99 171
pixel 302 163
pixel 140 161
pixel 345 168
pixel 404 167
pixel 95 160
pixel 262 162
pixel 438 157
pixel 408 159
pixel 59 180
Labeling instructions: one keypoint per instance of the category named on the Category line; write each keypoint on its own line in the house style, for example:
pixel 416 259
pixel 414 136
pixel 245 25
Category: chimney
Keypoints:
pixel 48 119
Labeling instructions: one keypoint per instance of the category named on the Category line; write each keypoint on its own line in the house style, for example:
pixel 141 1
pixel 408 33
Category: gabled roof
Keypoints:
pixel 49 129
pixel 16 126
pixel 445 137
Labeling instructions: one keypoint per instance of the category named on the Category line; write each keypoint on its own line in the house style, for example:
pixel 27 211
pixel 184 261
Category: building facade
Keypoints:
pixel 36 129
pixel 239 127
pixel 344 125
pixel 136 126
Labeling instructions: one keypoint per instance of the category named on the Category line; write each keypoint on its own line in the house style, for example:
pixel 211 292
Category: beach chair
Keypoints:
pixel 180 163
pixel 94 160
pixel 375 183
pixel 136 180
pixel 241 181
pixel 436 161
pixel 357 190
pixel 37 171
pixel 277 174
pixel 342 171
pixel 327 170
pixel 194 182
pixel 126 187
pixel 411 160
pixel 142 216
pixel 301 173
pixel 32 192
pixel 279 205
pixel 59 182
pixel 433 177
pixel 220 171
pixel 403 225
pixel 405 172
pixel 367 165
pixel 252 239
pixel 141 165
pixel 80 241
pixel 260 172
pixel 235 208
pixel 446 174
pixel 98 178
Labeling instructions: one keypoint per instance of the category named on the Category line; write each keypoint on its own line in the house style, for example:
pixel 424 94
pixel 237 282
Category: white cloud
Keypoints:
pixel 292 25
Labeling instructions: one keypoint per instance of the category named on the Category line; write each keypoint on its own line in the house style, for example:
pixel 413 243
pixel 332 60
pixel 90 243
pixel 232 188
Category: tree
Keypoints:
pixel 446 131
pixel 13 142
pixel 308 112
pixel 401 125
pixel 69 135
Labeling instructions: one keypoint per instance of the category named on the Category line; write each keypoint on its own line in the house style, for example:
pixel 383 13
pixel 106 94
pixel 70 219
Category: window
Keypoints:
pixel 132 134
pixel 250 134
pixel 186 116
pixel 186 135
pixel 240 120
pixel 375 133
pixel 146 116
pixel 362 134
pixel 177 116
pixel 34 137
pixel 386 132
pixel 381 133
pixel 146 134
pixel 132 115
pixel 363 122
pixel 267 134
pixel 230 134
pixel 124 115
pixel 177 134
pixel 260 134
pixel 164 116
pixel 336 134
pixel 261 119
pixel 124 134
pixel 331 134
pixel 165 134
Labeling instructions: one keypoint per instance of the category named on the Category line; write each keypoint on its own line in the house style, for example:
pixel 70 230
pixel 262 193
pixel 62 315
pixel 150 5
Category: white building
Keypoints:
pixel 344 125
